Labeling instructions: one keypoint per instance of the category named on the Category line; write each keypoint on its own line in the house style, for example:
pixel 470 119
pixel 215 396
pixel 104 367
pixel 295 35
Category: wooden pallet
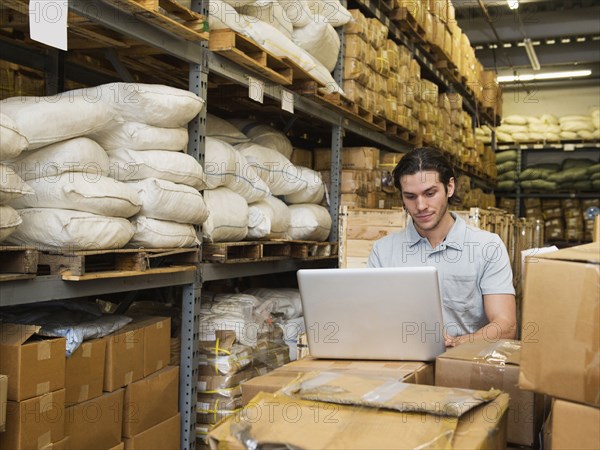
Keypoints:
pixel 176 19
pixel 408 24
pixel 299 74
pixel 310 250
pixel 18 263
pixel 400 132
pixel 87 265
pixel 250 55
pixel 242 252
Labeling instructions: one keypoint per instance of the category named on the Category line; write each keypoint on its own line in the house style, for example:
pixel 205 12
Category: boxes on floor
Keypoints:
pixel 150 401
pixel 164 436
pixel 36 422
pixel 34 365
pixel 486 365
pixel 96 423
pixel 560 353
pixel 157 342
pixel 409 372
pixel 575 426
pixel 84 373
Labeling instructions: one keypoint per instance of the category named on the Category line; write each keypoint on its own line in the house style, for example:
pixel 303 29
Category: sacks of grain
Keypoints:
pixel 141 136
pixel 309 223
pixel 12 185
pixel 12 141
pixel 228 219
pixel 155 233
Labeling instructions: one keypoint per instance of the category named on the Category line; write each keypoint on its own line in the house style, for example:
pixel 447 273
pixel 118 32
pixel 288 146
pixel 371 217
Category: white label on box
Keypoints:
pixel 48 22
pixel 287 101
pixel 256 89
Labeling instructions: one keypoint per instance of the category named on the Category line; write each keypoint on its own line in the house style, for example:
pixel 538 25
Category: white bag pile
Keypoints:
pixel 83 194
pixel 547 127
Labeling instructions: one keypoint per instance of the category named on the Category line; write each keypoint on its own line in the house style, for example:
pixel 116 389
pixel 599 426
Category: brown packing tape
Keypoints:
pixel 44 350
pixel 486 376
pixel 84 393
pixel 44 440
pixel 45 401
pixel 42 388
pixel 86 350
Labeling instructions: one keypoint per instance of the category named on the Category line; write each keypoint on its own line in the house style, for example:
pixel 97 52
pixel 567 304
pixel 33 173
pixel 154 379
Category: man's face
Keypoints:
pixel 425 198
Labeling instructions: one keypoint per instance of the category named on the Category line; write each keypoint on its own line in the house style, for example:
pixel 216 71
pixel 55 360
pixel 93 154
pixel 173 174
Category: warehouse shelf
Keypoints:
pixel 559 194
pixel 213 272
pixel 564 146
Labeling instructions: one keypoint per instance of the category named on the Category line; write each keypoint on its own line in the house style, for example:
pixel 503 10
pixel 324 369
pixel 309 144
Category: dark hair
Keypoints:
pixel 424 159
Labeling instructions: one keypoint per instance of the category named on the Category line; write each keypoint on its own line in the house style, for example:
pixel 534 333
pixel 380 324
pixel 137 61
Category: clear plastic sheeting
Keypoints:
pixel 285 303
pixel 74 320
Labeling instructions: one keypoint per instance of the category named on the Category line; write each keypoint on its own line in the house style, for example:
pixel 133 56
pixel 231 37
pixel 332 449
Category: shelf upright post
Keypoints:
pixel 337 142
pixel 55 72
pixel 518 180
pixel 190 302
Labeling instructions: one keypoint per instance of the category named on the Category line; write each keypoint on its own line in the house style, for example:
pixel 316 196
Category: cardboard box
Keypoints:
pixel 124 357
pixel 561 329
pixel 150 401
pixel 164 436
pixel 575 426
pixel 409 372
pixel 34 366
pixel 96 423
pixel 313 424
pixel 34 423
pixel 60 445
pixel 84 374
pixel 302 157
pixel 119 446
pixel 352 158
pixel 157 342
pixel 3 389
pixel 485 365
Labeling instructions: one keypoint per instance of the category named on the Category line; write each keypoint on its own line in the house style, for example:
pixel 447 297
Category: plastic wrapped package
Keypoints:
pixel 377 32
pixel 355 69
pixel 391 109
pixel 379 104
pixel 272 355
pixel 382 63
pixel 393 54
pixel 286 302
pixel 355 92
pixel 358 25
pixel 210 384
pixel 211 408
pixel 228 362
pixel 356 47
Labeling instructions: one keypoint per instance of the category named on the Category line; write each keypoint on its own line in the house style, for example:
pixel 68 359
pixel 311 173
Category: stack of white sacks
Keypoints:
pixel 107 168
pixel 547 127
pixel 246 168
pixel 302 30
pixel 12 186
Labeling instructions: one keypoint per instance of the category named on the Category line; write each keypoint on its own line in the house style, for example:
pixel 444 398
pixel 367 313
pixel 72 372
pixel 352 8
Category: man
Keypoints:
pixel 478 297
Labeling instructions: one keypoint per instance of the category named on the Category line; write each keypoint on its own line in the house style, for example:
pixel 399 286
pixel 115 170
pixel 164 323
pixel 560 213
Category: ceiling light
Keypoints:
pixel 550 41
pixel 512 4
pixel 544 76
pixel 565 40
pixel 535 64
pixel 507 45
pixel 580 39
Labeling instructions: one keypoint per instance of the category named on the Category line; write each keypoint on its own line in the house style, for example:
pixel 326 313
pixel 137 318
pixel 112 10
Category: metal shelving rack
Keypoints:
pixel 201 61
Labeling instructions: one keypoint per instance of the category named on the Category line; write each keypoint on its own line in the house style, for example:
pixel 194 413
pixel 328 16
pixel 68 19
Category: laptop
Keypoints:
pixel 374 314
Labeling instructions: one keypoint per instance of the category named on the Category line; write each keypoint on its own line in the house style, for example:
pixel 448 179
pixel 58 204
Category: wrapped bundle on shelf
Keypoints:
pixel 12 185
pixel 12 141
pixel 9 221
pixel 309 223
pixel 298 12
pixel 321 41
pixel 285 302
pixel 63 229
pixel 224 131
pixel 155 233
pixel 330 11
pixel 269 12
pixel 314 190
pixel 228 219
pixel 269 212
pixel 265 135
pixel 141 136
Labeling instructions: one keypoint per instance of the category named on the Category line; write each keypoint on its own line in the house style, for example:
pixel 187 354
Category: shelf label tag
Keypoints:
pixel 287 101
pixel 538 146
pixel 569 147
pixel 48 22
pixel 256 89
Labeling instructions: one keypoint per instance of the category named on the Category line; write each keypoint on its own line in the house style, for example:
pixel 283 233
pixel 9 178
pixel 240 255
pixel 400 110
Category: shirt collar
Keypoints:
pixel 454 239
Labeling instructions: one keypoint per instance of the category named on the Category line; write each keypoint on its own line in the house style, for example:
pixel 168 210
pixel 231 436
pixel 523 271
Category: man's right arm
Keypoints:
pixel 374 260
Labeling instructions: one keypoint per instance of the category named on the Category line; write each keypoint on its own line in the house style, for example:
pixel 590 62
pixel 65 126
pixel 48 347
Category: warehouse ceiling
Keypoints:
pixel 565 34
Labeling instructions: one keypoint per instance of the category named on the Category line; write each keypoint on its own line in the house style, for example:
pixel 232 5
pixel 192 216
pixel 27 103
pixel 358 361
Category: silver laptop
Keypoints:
pixel 385 313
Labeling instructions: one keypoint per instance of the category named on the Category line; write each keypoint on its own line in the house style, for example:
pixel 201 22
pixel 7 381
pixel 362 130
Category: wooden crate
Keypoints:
pixel 360 228
pixel 18 263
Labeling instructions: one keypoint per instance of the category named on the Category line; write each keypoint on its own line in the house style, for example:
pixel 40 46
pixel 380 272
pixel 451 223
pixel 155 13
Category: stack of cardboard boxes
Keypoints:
pixel 561 336
pixel 113 393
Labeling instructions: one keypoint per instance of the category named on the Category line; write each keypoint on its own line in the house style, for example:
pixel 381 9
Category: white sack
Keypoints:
pixel 521 137
pixel 219 162
pixel 265 135
pixel 297 12
pixel 503 137
pixel 585 134
pixel 131 165
pixel 275 169
pixel 568 135
pixel 169 201
pixel 510 129
pixel 596 118
pixel 330 11
pixel 67 230
pixel 577 126
pixel 514 119
pixel 82 192
pixel 309 223
pixel 154 233
pixel 153 104
pixel 140 136
pixel 286 302
pixel 550 119
pixel 222 15
pixel 314 190
pixel 75 155
pixel 278 214
pixel 12 185
pixel 573 118
pixel 259 222
pixel 223 130
pixel 12 142
pixel 46 120
pixel 246 181
pixel 553 136
pixel 321 41
pixel 271 13
pixel 9 221
pixel 228 219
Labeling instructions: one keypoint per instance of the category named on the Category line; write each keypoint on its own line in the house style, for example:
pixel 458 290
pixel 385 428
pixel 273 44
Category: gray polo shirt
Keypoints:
pixel 471 263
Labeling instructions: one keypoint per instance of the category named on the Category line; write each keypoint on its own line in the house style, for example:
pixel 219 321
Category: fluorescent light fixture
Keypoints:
pixel 513 4
pixel 535 64
pixel 544 76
